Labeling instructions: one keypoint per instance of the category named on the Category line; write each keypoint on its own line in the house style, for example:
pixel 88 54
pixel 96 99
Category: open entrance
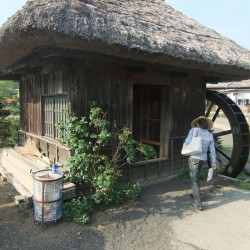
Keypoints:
pixel 149 115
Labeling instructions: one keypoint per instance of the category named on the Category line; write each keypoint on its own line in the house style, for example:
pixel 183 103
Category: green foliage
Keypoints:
pixel 242 184
pixel 185 173
pixel 8 124
pixel 242 175
pixel 8 89
pixel 242 180
pixel 13 109
pixel 8 128
pixel 90 139
pixel 8 134
pixel 117 196
pixel 219 143
pixel 77 210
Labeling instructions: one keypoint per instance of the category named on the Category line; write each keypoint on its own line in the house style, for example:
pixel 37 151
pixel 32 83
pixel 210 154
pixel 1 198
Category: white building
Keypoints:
pixel 239 92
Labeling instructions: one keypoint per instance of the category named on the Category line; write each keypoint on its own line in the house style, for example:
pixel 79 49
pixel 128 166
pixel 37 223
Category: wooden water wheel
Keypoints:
pixel 235 159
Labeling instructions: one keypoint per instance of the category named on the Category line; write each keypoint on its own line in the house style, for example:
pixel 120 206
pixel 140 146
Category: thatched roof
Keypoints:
pixel 149 31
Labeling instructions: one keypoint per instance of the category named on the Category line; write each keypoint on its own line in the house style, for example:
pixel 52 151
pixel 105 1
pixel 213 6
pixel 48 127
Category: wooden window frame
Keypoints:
pixel 54 109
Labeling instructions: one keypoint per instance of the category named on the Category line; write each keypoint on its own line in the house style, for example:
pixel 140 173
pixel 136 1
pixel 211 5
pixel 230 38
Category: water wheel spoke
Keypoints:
pixel 226 132
pixel 223 153
pixel 216 114
pixel 210 106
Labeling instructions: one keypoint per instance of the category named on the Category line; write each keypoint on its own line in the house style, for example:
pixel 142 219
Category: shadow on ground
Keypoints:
pixel 134 224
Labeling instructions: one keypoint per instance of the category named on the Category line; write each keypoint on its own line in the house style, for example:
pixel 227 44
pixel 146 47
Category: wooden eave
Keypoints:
pixel 58 59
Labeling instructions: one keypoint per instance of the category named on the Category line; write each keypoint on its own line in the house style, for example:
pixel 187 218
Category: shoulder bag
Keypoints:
pixel 194 147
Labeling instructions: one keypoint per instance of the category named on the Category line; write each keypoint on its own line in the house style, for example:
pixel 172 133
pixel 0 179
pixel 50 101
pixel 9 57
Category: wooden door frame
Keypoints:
pixel 164 117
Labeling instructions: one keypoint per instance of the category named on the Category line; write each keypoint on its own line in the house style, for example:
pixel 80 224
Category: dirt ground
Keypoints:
pixel 143 224
pixel 163 218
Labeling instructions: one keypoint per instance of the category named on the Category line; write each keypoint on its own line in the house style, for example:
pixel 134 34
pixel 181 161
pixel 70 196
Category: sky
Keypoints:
pixel 231 18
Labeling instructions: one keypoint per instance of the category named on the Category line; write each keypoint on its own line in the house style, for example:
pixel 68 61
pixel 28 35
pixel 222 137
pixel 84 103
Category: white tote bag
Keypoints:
pixel 194 147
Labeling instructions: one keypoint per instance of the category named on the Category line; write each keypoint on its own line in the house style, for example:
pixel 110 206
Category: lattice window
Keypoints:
pixel 55 110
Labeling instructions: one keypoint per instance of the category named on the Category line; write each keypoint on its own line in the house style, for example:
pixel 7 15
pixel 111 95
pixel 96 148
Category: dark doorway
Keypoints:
pixel 147 112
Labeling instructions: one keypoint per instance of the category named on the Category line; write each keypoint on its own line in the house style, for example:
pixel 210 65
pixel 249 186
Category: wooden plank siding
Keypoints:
pixel 186 103
pixel 111 92
pixel 112 88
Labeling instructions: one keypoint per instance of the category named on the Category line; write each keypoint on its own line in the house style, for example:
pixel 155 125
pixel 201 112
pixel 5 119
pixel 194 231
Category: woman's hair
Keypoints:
pixel 202 123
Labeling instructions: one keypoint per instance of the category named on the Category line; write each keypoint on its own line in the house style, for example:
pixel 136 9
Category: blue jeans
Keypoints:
pixel 195 167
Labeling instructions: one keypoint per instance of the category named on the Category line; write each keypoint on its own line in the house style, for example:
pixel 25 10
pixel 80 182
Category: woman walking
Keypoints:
pixel 200 126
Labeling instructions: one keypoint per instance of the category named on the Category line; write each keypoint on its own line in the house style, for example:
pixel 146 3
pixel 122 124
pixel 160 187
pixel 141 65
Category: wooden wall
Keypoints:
pixel 30 92
pixel 32 89
pixel 110 90
pixel 81 88
pixel 111 87
pixel 186 103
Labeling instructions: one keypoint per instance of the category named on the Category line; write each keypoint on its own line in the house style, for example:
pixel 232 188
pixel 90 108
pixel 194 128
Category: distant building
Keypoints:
pixel 239 92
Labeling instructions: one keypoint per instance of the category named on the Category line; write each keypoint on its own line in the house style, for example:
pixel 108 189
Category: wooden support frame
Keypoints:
pixel 46 146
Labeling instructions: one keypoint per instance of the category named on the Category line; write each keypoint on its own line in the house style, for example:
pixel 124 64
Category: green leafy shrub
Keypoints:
pixel 77 210
pixel 90 140
pixel 185 173
pixel 117 196
pixel 8 128
pixel 13 109
pixel 8 89
pixel 242 184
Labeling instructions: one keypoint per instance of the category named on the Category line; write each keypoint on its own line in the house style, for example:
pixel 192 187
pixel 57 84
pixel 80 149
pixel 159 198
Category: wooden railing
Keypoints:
pixel 161 167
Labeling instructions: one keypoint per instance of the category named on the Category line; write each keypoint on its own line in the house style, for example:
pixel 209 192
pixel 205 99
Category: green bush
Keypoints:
pixel 8 89
pixel 8 128
pixel 13 109
pixel 117 196
pixel 77 210
pixel 89 138
pixel 242 184
pixel 185 173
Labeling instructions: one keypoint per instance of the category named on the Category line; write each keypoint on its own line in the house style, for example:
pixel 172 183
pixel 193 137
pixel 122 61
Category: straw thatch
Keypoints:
pixel 149 30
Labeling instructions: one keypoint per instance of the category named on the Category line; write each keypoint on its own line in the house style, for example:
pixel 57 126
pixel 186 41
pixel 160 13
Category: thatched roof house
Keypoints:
pixel 148 31
pixel 142 61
